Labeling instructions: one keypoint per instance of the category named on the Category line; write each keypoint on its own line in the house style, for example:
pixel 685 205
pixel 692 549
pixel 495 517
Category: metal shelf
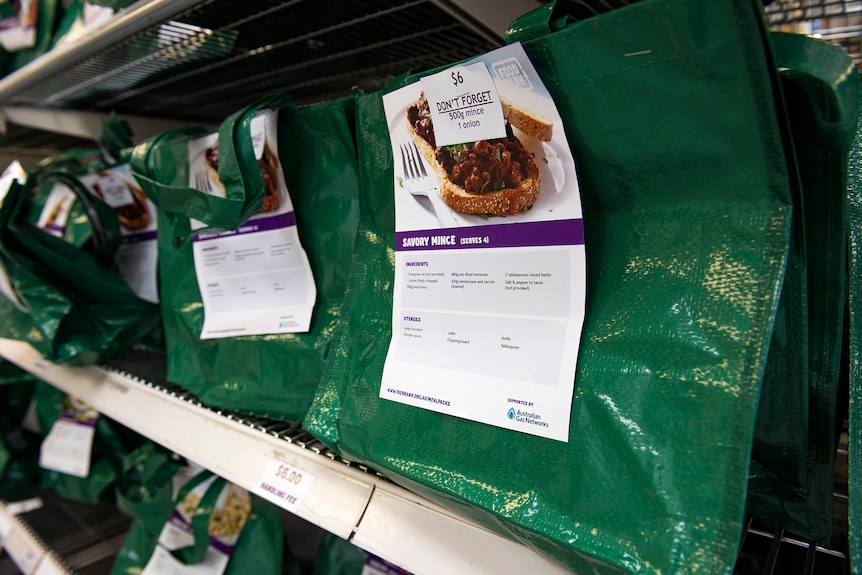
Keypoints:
pixel 201 61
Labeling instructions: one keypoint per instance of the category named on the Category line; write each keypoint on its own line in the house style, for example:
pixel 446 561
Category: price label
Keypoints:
pixel 115 191
pixel 284 484
pixel 22 551
pixel 68 447
pixel 464 105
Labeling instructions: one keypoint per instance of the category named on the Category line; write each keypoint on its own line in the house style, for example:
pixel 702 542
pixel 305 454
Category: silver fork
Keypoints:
pixel 202 182
pixel 413 166
pixel 422 186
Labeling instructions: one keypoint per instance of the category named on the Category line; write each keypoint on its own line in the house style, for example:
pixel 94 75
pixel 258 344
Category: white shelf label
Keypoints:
pixel 22 551
pixel 284 484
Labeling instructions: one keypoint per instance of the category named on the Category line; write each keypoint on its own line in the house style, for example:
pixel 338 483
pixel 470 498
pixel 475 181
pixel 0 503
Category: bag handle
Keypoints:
pixel 240 165
pixel 176 199
pixel 153 468
pixel 553 16
pixel 828 76
pixel 200 516
pixel 104 240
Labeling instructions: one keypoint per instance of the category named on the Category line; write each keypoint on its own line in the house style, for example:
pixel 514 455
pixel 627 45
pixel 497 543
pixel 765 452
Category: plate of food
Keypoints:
pixel 525 176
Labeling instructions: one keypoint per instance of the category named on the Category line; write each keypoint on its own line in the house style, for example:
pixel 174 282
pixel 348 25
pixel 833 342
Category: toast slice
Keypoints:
pixel 489 177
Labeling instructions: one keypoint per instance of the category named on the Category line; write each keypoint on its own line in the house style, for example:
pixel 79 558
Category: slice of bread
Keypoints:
pixel 504 202
pixel 525 120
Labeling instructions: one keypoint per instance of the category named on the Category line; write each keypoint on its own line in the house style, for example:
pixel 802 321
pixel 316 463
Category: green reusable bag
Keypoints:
pixel 820 92
pixel 259 548
pixel 19 467
pixel 48 17
pixel 670 111
pixel 111 442
pixel 273 375
pixel 70 304
pixel 854 298
pixel 164 169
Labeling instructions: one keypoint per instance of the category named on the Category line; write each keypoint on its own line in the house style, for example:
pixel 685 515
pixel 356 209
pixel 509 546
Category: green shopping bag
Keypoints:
pixel 854 298
pixel 820 92
pixel 67 301
pixel 110 443
pixel 201 182
pixel 272 374
pixel 671 115
pixel 19 448
pixel 220 523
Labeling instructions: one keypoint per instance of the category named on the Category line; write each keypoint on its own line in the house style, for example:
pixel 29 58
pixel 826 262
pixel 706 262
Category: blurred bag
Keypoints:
pixel 19 446
pixel 791 477
pixel 273 374
pixel 208 519
pixel 854 438
pixel 673 116
pixel 110 442
pixel 67 300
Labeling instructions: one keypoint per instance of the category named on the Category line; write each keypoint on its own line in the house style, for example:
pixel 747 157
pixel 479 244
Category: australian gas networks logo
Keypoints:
pixel 528 417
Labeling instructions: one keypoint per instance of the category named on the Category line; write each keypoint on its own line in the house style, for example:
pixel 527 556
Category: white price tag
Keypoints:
pixel 115 191
pixel 48 567
pixel 22 551
pixel 464 105
pixel 68 447
pixel 284 484
pixel 5 526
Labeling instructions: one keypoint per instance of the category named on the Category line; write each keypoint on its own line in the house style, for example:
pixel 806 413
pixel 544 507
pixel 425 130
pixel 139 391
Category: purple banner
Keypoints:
pixel 71 418
pixel 221 545
pixel 549 233
pixel 384 567
pixel 255 225
pixel 138 238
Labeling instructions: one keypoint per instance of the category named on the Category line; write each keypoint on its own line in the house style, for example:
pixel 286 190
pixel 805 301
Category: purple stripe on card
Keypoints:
pixel 177 521
pixel 384 567
pixel 138 238
pixel 550 233
pixel 10 23
pixel 70 418
pixel 55 228
pixel 221 546
pixel 256 225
